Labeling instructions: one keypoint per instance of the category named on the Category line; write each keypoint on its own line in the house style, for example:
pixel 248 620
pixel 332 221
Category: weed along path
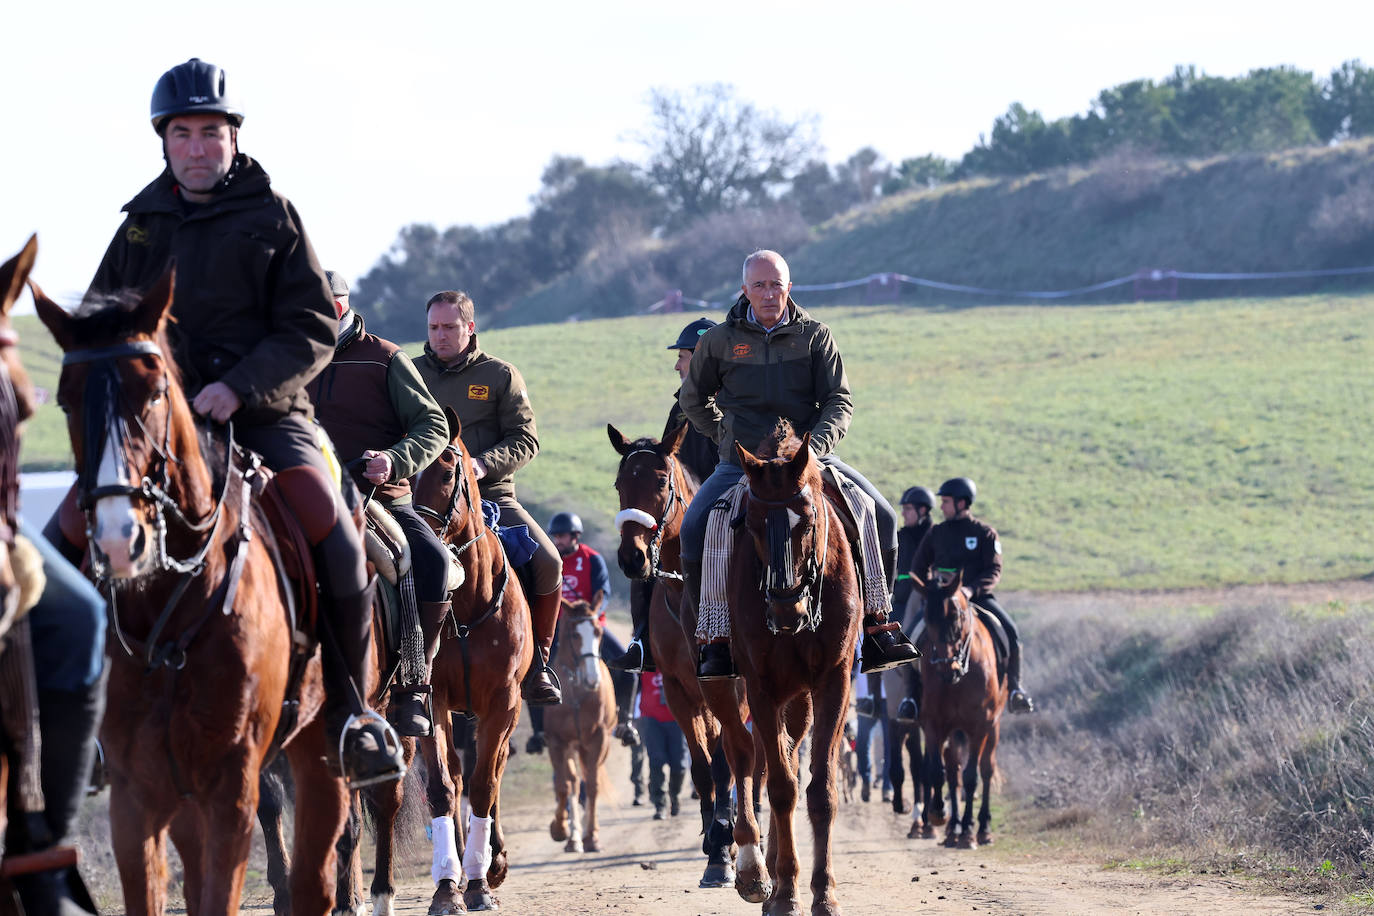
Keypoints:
pixel 652 867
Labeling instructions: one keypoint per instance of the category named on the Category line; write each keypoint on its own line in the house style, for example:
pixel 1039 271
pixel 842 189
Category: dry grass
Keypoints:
pixel 1238 736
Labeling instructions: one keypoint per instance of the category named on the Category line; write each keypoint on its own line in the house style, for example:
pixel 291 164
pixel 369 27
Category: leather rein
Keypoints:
pixel 656 570
pixel 779 568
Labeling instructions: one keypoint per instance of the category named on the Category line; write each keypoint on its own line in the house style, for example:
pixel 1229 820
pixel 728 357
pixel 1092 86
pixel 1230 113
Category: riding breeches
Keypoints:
pixel 429 557
pixel 290 442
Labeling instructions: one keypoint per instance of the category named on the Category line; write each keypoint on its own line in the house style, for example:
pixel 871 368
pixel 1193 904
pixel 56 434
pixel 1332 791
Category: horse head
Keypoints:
pixel 137 453
pixel 579 642
pixel 788 520
pixel 444 492
pixel 949 624
pixel 650 483
pixel 16 405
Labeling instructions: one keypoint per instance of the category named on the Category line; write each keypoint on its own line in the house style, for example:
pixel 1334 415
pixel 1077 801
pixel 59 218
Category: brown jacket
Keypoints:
pixel 743 379
pixel 489 396
pixel 252 306
pixel 966 544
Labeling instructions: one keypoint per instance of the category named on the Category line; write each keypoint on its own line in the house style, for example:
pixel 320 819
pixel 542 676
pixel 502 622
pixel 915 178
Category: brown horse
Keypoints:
pixel 477 671
pixel 202 643
pixel 579 729
pixel 961 710
pixel 795 607
pixel 655 489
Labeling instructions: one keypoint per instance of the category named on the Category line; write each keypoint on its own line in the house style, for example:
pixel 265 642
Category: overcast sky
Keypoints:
pixel 371 116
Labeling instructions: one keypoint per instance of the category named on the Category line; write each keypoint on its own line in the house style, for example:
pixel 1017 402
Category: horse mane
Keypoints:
pixel 643 442
pixel 782 441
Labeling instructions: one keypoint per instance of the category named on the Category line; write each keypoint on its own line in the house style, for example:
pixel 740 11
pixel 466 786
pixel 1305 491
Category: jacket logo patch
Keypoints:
pixel 971 543
pixel 742 350
pixel 479 392
pixel 136 235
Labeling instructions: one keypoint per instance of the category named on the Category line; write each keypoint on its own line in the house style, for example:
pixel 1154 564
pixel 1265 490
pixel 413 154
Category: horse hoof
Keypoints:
pixel 559 831
pixel 572 846
pixel 917 831
pixel 754 891
pixel 780 907
pixel 592 845
pixel 478 898
pixel 500 867
pixel 937 818
pixel 825 908
pixel 966 841
pixel 717 874
pixel 984 838
pixel 927 832
pixel 446 899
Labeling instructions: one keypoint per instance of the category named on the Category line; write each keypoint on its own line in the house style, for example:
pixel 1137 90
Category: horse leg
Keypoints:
pixel 751 881
pixel 271 811
pixel 593 758
pixel 139 837
pixel 384 801
pixel 987 765
pixel 975 754
pixel 445 868
pixel 322 809
pixel 493 744
pixel 782 799
pixel 188 834
pixel 918 780
pixel 953 763
pixel 348 864
pixel 717 820
pixel 500 866
pixel 831 704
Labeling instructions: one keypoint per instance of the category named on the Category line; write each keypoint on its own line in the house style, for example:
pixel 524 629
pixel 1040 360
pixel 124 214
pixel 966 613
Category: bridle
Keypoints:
pixel 459 494
pixel 639 516
pixel 958 661
pixel 778 572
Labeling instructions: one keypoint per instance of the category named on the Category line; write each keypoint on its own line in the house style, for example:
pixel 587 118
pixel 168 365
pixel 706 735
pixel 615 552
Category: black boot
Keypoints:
pixel 411 704
pixel 674 790
pixel 68 720
pixel 715 662
pixel 909 710
pixel 656 794
pixel 536 742
pixel 884 646
pixel 637 657
pixel 625 731
pixel 369 751
pixel 1017 700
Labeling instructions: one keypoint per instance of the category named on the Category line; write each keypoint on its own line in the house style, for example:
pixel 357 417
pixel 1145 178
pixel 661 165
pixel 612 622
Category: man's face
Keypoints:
pixel 766 285
pixel 566 542
pixel 684 360
pixel 449 335
pixel 909 514
pixel 947 508
pixel 200 150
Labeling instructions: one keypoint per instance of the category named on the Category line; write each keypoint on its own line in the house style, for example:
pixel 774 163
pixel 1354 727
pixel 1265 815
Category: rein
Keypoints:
pixel 656 570
pixel 958 662
pixel 808 587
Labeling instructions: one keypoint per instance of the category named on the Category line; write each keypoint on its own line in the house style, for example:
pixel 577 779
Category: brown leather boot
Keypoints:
pixel 539 688
pixel 411 705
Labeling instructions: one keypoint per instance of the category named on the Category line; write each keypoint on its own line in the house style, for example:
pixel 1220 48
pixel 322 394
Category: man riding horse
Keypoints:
pixel 254 322
pixel 963 543
pixel 388 428
pixel 699 455
pixel 917 504
pixel 488 395
pixel 771 360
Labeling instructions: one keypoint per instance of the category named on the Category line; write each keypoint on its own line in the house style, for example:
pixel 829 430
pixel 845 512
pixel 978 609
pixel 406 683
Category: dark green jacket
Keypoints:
pixel 252 306
pixel 743 379
pixel 489 396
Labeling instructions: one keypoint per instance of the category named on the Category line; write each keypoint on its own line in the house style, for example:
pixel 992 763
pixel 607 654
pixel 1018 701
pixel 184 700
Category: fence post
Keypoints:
pixel 1154 283
pixel 882 289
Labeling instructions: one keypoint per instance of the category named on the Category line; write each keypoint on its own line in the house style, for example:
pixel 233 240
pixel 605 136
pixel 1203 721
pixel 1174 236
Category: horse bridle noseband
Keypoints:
pixel 460 492
pixel 958 662
pixel 656 570
pixel 808 587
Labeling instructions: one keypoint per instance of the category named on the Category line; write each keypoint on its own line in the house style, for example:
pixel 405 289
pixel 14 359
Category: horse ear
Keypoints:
pixel 147 317
pixel 15 272
pixel 455 425
pixel 53 316
pixel 673 441
pixel 618 440
pixel 803 455
pixel 746 458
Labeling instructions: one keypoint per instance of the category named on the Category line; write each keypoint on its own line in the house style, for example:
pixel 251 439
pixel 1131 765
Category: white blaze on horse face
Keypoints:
pixel 116 528
pixel 591 652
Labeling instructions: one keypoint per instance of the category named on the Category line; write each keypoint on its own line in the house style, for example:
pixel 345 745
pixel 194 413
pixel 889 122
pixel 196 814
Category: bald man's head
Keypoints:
pixel 763 254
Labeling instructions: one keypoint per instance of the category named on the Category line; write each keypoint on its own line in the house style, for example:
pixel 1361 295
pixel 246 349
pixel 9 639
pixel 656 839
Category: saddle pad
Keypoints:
pixel 385 543
pixel 713 612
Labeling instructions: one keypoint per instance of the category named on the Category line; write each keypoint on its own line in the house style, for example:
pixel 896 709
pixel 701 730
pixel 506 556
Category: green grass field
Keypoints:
pixel 1149 445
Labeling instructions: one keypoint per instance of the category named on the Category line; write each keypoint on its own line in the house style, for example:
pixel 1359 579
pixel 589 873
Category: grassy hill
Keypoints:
pixel 1305 208
pixel 1135 446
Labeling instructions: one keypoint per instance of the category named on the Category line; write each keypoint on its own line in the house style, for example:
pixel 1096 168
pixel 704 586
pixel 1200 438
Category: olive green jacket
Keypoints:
pixel 489 397
pixel 743 379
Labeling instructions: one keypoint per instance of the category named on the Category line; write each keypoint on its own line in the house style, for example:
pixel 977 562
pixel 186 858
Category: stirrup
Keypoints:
pixel 390 745
pixel 1020 701
pixel 908 711
pixel 631 660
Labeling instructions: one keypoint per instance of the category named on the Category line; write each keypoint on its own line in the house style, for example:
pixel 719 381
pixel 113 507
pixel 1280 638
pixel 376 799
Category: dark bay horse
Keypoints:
pixel 201 640
pixel 477 670
pixel 961 710
pixel 579 729
pixel 795 607
pixel 655 489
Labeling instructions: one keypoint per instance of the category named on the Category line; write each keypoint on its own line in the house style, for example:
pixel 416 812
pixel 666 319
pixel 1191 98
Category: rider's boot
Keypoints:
pixel 540 688
pixel 68 721
pixel 369 751
pixel 909 710
pixel 884 645
pixel 536 742
pixel 637 657
pixel 1017 700
pixel 411 704
pixel 625 731
pixel 714 661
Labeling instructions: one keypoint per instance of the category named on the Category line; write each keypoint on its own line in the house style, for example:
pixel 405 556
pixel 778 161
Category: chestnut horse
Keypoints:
pixel 961 710
pixel 655 489
pixel 477 671
pixel 795 607
pixel 579 728
pixel 201 639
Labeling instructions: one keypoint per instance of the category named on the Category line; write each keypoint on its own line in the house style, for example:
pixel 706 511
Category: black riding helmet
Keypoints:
pixel 957 488
pixel 191 88
pixel 687 340
pixel 565 523
pixel 918 496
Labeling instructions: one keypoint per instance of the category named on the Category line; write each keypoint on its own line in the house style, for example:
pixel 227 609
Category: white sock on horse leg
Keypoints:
pixel 445 851
pixel 477 852
pixel 749 860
